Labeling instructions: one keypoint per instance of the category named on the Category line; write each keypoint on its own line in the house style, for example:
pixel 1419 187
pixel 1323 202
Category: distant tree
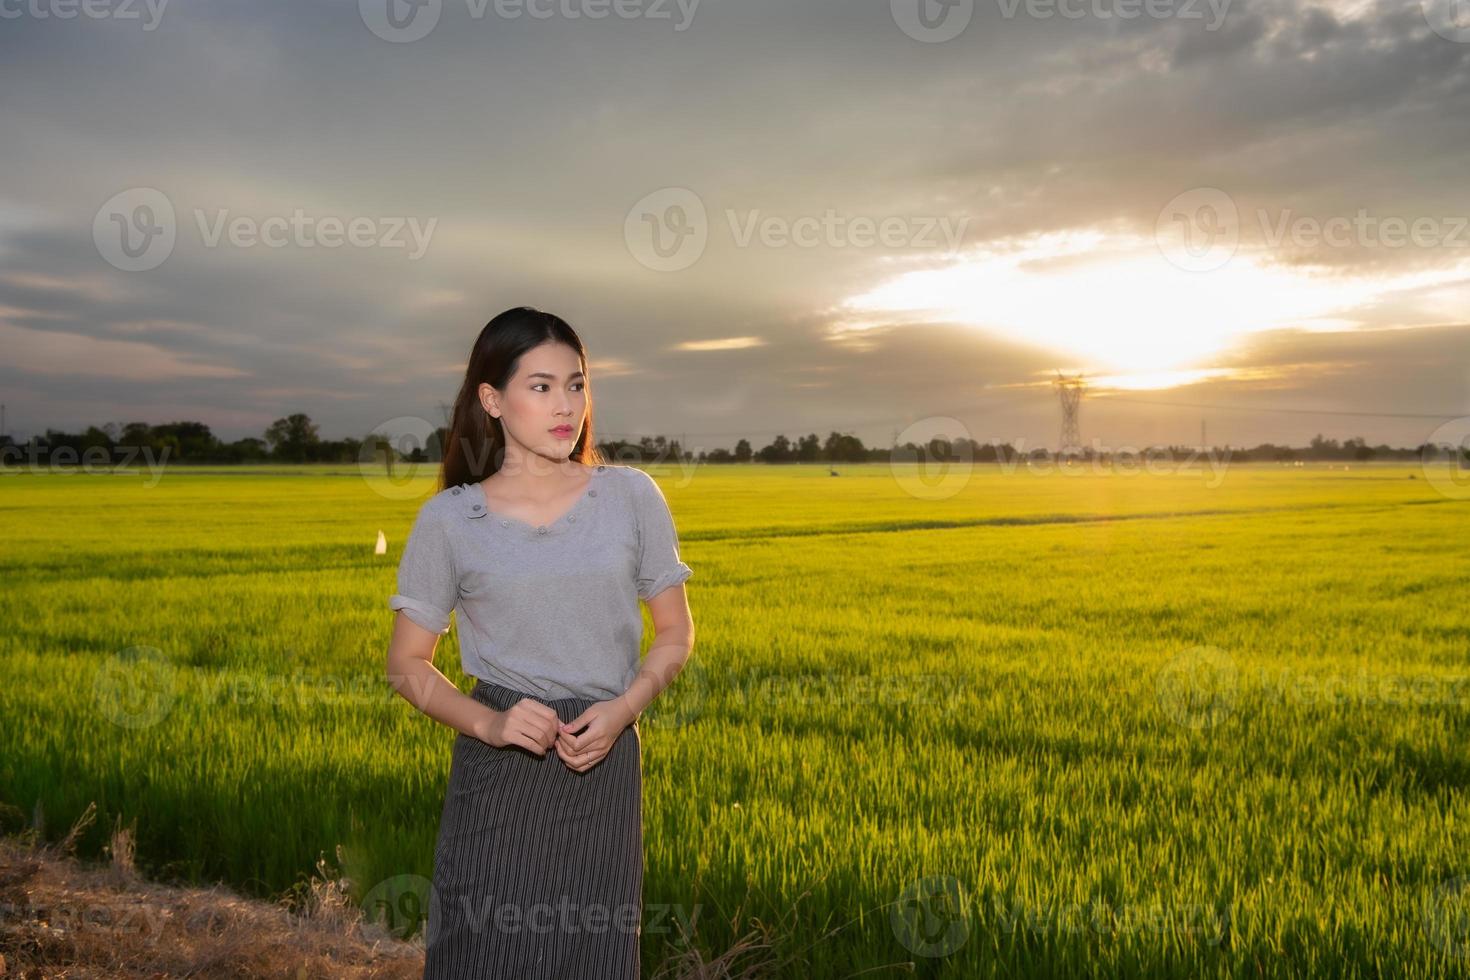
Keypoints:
pixel 1321 448
pixel 779 451
pixel 293 438
pixel 809 448
pixel 188 440
pixel 844 448
pixel 136 434
pixel 247 450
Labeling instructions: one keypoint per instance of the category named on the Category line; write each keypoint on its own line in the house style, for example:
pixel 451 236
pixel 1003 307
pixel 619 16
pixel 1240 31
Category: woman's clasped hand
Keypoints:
pixel 580 743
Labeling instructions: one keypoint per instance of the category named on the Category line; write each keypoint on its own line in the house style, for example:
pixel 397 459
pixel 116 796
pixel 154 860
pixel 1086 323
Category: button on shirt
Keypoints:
pixel 548 609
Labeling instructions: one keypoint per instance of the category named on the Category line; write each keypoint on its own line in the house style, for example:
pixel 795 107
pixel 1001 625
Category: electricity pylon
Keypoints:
pixel 1069 390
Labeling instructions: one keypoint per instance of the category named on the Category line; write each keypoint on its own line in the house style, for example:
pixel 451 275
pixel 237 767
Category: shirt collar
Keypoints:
pixel 470 499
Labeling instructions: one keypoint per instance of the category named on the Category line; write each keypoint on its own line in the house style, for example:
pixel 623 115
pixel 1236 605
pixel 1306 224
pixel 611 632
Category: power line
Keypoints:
pixel 1100 400
pixel 1292 411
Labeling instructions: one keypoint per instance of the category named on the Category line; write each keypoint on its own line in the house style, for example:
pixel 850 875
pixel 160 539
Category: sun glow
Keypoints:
pixel 1116 303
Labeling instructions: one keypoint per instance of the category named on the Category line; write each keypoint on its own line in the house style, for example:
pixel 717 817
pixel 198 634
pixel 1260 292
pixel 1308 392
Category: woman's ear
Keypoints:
pixel 489 401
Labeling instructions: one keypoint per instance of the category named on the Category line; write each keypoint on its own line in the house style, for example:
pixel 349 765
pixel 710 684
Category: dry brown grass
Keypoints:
pixel 61 919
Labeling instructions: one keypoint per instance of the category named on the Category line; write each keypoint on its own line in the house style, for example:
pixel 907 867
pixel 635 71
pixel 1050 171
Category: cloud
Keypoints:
pixel 68 355
pixel 529 140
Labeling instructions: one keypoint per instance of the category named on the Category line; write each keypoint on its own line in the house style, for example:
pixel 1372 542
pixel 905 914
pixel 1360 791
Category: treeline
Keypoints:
pixel 295 439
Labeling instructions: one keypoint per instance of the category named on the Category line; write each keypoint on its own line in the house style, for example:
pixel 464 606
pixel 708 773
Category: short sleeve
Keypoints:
pixel 428 586
pixel 659 566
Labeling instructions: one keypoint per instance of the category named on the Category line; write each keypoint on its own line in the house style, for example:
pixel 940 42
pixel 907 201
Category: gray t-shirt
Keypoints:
pixel 551 609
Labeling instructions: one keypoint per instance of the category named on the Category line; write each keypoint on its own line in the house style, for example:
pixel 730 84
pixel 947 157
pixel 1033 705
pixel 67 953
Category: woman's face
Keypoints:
pixel 544 405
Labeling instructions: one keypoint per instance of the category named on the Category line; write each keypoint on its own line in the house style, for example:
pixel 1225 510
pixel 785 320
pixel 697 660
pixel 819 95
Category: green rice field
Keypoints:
pixel 1010 723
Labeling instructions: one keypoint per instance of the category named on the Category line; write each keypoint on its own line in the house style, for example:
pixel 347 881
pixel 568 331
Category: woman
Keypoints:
pixel 545 551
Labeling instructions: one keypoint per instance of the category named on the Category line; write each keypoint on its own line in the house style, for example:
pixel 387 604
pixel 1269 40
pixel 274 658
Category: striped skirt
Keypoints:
pixel 538 870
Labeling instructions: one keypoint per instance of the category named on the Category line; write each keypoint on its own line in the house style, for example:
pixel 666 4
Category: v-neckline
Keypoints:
pixel 541 528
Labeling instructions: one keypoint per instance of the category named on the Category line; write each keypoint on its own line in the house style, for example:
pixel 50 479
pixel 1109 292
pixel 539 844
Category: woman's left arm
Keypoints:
pixel 673 642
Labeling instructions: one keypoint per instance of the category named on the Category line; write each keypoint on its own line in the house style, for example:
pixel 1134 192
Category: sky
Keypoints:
pixel 761 217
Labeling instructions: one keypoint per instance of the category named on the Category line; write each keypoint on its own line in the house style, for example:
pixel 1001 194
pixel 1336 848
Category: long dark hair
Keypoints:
pixel 476 443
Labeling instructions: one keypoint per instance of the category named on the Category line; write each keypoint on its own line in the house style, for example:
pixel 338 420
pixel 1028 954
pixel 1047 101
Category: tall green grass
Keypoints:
pixel 1054 724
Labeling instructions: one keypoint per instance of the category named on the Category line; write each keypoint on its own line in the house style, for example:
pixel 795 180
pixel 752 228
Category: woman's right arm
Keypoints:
pixel 428 588
pixel 412 673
